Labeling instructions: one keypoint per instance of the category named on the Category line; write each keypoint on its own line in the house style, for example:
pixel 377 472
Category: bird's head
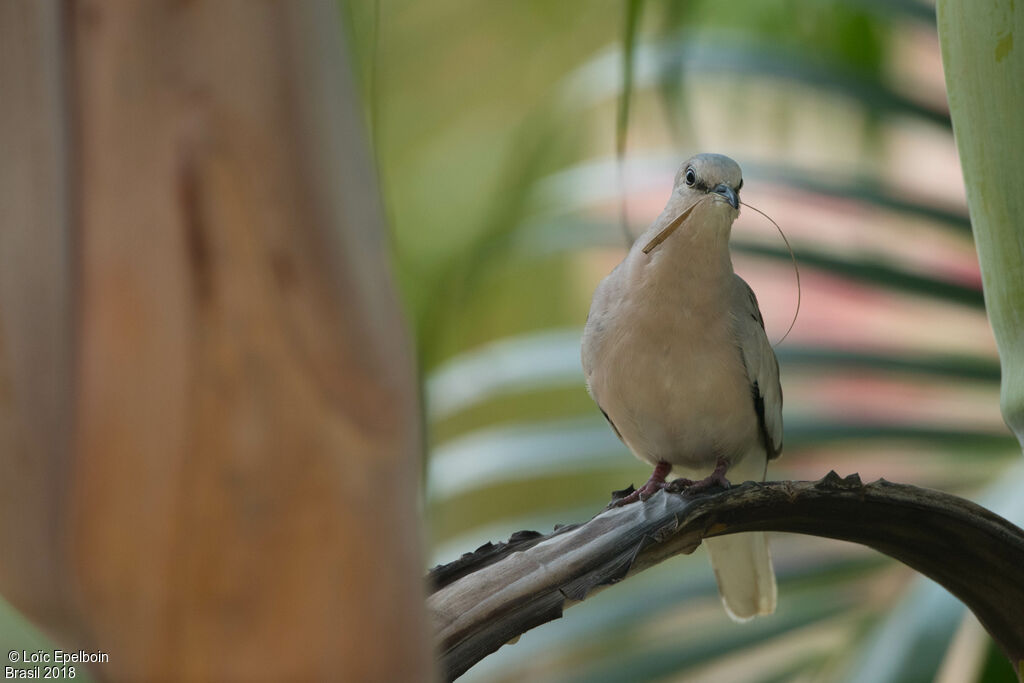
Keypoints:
pixel 707 183
pixel 710 175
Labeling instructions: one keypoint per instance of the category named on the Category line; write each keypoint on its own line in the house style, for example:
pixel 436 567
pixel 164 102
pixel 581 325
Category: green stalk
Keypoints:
pixel 983 57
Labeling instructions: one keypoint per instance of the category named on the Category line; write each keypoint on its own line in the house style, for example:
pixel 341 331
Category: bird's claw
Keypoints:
pixel 641 494
pixel 679 485
pixel 689 486
pixel 653 485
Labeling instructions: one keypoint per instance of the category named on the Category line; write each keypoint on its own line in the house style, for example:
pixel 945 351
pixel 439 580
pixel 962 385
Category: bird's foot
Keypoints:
pixel 642 493
pixel 716 478
pixel 653 485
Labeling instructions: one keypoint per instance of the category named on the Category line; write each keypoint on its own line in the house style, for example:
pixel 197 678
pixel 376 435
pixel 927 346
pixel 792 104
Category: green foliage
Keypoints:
pixel 983 78
pixel 499 131
pixel 17 633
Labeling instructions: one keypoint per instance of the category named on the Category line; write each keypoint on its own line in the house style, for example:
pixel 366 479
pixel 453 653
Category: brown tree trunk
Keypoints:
pixel 35 308
pixel 221 485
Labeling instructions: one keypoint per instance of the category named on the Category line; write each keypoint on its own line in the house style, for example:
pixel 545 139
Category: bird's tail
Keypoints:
pixel 743 568
pixel 742 562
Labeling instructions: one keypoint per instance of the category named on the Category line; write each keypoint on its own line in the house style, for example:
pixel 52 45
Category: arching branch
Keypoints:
pixel 500 591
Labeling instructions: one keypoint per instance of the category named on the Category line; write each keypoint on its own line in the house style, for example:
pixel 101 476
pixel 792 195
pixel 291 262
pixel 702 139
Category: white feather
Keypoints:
pixel 743 562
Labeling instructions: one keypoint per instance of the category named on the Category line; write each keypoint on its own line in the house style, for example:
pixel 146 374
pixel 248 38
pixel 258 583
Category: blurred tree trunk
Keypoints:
pixel 35 308
pixel 208 425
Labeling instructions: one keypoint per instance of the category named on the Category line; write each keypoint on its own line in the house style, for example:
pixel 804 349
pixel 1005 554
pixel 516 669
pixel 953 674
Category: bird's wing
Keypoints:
pixel 742 562
pixel 761 364
pixel 592 333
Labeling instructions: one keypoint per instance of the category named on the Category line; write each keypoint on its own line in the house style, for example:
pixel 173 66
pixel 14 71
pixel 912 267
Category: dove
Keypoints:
pixel 676 357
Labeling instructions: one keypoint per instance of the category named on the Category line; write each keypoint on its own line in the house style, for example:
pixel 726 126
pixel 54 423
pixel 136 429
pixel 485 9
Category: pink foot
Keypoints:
pixel 653 485
pixel 716 478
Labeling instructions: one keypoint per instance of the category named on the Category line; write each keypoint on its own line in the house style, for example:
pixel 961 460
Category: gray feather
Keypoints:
pixel 761 364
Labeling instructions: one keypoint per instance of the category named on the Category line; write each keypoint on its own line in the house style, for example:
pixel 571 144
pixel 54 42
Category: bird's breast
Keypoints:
pixel 672 380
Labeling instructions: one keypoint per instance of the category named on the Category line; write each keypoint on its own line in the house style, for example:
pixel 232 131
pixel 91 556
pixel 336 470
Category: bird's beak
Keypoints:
pixel 729 194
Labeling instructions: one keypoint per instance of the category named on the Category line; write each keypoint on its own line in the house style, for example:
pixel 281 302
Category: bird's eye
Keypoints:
pixel 691 177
